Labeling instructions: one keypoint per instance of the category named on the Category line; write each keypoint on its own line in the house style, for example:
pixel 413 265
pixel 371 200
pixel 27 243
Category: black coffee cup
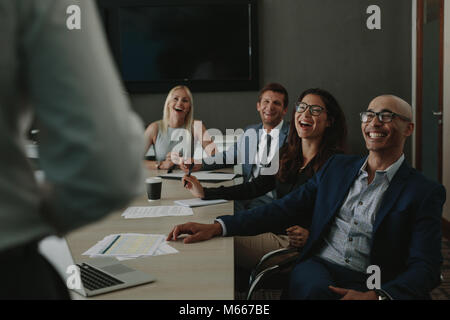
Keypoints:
pixel 153 186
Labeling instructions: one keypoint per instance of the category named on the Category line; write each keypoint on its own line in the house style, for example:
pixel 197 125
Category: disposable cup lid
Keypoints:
pixel 153 180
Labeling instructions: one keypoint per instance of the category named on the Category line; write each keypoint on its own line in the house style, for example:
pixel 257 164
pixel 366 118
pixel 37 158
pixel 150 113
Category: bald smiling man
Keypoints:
pixel 370 213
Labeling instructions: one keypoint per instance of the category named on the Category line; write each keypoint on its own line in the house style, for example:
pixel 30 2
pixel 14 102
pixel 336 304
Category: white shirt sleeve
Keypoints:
pixel 224 228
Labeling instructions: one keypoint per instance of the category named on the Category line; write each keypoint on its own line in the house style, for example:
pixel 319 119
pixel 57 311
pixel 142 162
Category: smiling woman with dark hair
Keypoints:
pixel 332 139
pixel 318 130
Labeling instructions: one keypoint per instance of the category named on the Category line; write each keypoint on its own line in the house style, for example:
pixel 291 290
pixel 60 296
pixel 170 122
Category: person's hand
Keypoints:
pixel 166 164
pixel 197 231
pixel 194 186
pixel 184 165
pixel 153 165
pixel 174 157
pixel 349 294
pixel 297 236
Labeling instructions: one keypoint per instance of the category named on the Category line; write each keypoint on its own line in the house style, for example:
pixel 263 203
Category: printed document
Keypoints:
pixel 130 245
pixel 156 211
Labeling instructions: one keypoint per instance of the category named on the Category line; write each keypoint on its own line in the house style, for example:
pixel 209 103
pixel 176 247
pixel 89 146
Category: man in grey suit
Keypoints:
pixel 257 148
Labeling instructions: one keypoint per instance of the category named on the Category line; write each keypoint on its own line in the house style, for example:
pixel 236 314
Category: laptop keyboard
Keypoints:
pixel 94 279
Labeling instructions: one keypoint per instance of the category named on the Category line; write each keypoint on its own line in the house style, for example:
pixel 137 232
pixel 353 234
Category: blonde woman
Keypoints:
pixel 176 131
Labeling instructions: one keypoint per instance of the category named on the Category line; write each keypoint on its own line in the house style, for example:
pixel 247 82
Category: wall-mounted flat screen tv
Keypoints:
pixel 206 45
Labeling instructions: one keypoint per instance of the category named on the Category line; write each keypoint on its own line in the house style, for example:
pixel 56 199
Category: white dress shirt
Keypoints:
pixel 263 157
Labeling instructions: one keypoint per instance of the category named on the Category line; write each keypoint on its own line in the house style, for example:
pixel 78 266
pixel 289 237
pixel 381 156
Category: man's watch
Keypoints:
pixel 382 295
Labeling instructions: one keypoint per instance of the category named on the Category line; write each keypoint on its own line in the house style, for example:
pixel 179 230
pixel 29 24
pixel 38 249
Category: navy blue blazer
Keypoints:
pixel 406 239
pixel 243 148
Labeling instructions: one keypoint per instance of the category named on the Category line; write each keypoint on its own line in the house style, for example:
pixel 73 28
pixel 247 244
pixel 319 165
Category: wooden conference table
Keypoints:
pixel 203 271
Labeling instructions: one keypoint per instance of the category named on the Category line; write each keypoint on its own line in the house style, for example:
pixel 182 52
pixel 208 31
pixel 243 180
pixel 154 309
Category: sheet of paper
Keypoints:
pixel 123 258
pixel 156 211
pixel 197 202
pixel 99 246
pixel 127 244
pixel 202 176
pixel 162 249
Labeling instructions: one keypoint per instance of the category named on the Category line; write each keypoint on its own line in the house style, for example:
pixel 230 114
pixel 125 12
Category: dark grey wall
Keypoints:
pixel 316 43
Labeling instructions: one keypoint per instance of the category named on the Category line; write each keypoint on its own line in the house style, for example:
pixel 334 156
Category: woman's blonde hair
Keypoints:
pixel 188 120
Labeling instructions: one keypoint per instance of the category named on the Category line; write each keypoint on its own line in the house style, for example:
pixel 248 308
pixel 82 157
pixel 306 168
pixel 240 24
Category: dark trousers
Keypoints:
pixel 309 280
pixel 25 274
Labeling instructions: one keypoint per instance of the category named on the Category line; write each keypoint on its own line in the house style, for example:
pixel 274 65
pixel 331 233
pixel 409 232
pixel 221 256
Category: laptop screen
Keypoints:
pixel 57 252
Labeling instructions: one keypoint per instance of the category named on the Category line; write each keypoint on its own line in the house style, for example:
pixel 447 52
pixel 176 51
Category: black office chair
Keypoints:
pixel 273 276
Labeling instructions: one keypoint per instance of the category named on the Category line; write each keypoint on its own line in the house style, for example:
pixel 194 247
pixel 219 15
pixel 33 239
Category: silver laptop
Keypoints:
pixel 99 275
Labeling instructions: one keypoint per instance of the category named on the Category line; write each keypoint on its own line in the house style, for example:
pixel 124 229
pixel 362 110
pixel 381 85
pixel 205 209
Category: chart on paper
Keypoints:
pixel 129 244
pixel 126 246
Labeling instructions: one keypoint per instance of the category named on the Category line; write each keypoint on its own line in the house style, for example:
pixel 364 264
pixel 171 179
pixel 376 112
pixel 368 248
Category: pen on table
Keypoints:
pixel 180 154
pixel 191 166
pixel 111 244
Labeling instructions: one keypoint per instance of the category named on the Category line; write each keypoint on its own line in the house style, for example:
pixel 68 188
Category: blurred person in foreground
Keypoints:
pixel 91 144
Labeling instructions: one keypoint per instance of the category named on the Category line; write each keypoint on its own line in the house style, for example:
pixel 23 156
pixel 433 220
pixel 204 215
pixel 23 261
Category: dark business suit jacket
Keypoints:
pixel 406 239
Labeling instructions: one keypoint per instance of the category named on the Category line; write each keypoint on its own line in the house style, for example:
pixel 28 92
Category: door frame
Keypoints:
pixel 418 15
pixel 444 98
